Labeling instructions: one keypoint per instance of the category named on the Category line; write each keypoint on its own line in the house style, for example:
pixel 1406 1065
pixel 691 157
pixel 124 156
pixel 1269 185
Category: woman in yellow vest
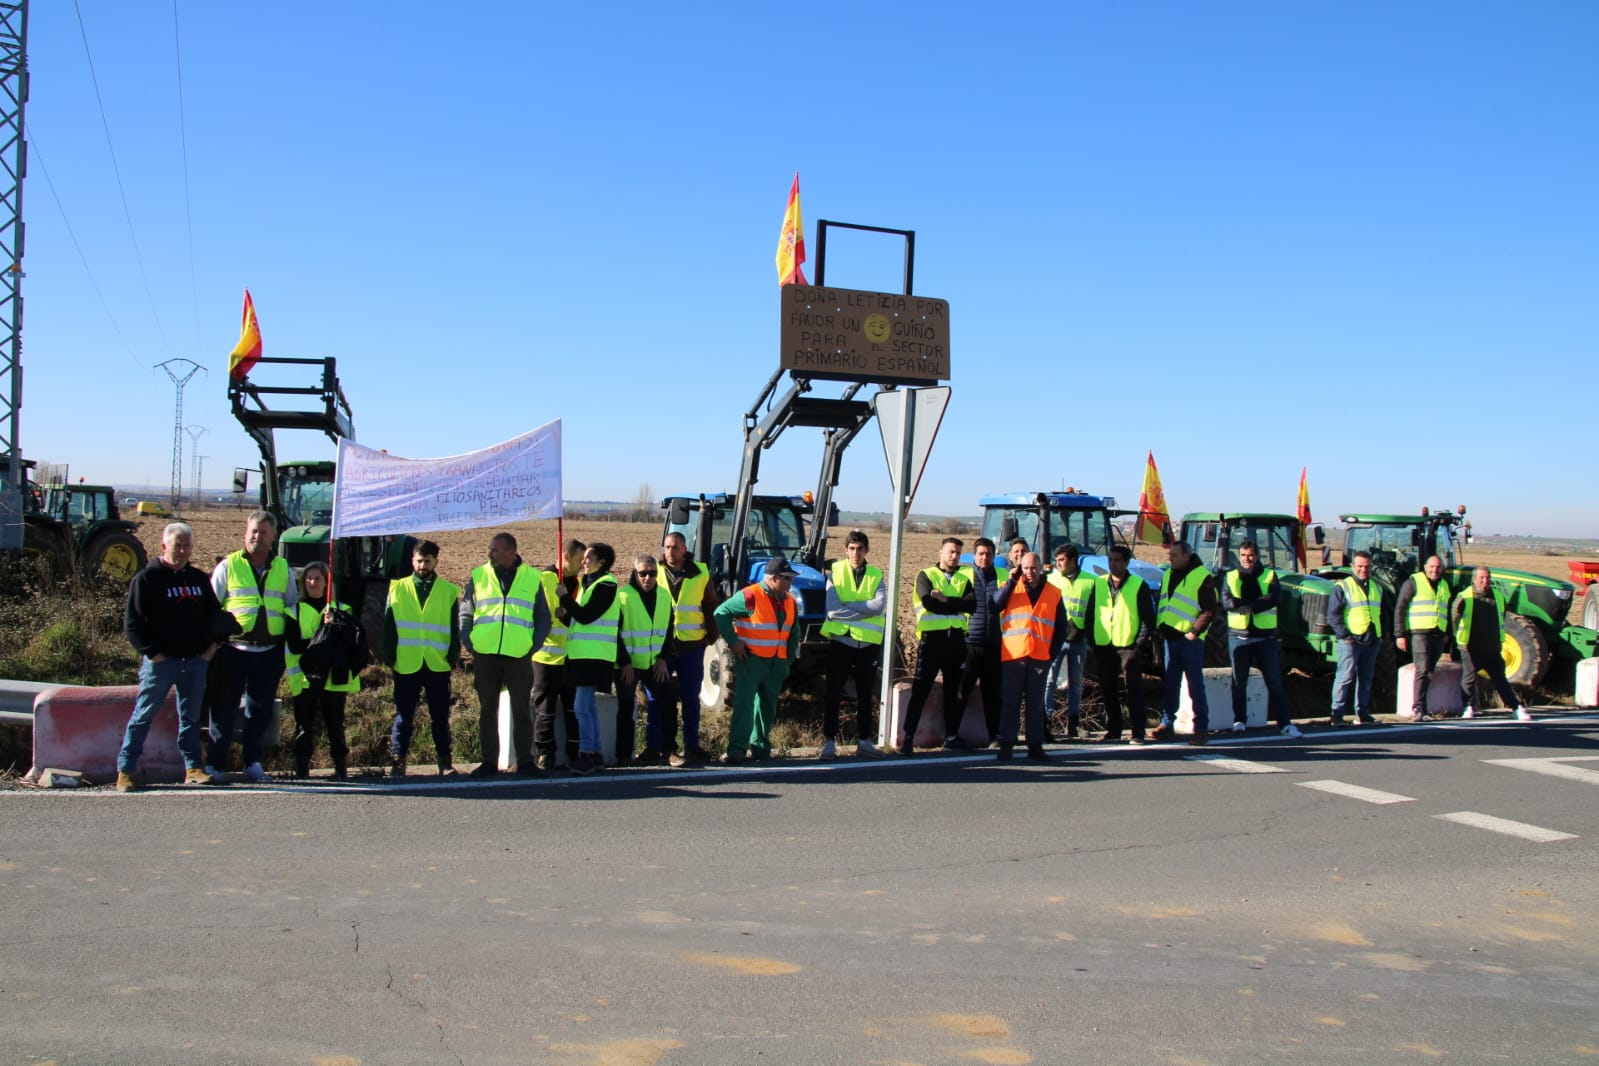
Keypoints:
pixel 316 696
pixel 593 642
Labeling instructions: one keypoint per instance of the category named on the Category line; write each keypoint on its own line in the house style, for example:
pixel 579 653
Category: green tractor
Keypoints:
pixel 77 529
pixel 1536 630
pixel 1307 641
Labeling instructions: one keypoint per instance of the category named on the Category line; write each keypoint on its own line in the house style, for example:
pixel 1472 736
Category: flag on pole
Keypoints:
pixel 248 350
pixel 1303 513
pixel 791 241
pixel 1154 524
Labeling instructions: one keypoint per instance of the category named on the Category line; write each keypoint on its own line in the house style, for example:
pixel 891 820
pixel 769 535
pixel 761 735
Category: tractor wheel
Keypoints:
pixel 116 556
pixel 1526 651
pixel 716 688
pixel 1216 648
pixel 374 601
pixel 1590 606
pixel 47 551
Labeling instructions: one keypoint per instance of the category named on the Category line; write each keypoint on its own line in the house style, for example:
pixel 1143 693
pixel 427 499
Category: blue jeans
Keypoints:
pixel 155 679
pixel 1071 656
pixel 1186 658
pixel 1356 664
pixel 661 703
pixel 587 710
pixel 1265 656
pixel 254 676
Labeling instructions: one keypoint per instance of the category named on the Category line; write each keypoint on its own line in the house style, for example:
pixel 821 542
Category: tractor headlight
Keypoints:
pixel 1562 594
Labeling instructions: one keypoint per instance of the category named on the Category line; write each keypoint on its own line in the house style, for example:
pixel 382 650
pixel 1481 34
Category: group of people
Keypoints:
pixel 553 639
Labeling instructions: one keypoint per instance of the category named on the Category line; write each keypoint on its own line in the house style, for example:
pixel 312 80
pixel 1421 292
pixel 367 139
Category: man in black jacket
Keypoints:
pixel 170 620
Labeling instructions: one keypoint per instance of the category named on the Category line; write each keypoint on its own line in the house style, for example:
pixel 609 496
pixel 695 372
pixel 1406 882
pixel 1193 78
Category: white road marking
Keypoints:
pixel 1507 827
pixel 1242 766
pixel 1554 767
pixel 1365 795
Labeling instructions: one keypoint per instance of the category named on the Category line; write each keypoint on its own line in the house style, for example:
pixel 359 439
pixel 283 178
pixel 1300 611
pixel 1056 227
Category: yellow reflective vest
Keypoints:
pixel 310 620
pixel 245 599
pixel 1463 627
pixel 1238 621
pixel 553 651
pixel 688 605
pixel 865 630
pixel 1074 591
pixel 644 632
pixel 423 629
pixel 954 586
pixel 1116 613
pixel 1364 612
pixel 1429 608
pixel 596 639
pixel 502 622
pixel 1179 606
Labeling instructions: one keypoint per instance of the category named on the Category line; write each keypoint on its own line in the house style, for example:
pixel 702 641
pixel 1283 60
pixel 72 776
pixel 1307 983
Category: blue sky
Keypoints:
pixel 1248 237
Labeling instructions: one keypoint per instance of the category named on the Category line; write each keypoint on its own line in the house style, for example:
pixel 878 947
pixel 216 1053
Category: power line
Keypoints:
pixel 183 139
pixel 121 192
pixel 36 156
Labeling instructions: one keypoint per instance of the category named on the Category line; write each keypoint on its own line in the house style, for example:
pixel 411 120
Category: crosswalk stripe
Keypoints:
pixel 1554 767
pixel 1507 827
pixel 1241 766
pixel 1366 795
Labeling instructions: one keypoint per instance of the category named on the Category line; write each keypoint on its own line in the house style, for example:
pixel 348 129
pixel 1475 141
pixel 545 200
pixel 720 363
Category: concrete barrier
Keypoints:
pixel 1443 696
pixel 930 730
pixel 1587 691
pixel 605 705
pixel 80 728
pixel 1219 700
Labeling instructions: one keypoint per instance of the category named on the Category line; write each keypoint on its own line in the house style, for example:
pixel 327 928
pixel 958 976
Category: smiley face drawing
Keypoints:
pixel 876 328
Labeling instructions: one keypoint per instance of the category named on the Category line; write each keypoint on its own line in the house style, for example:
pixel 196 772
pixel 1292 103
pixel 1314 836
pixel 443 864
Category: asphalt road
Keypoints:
pixel 1117 905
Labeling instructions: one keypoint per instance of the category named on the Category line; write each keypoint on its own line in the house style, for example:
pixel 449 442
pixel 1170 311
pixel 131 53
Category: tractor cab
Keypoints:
pixel 1400 544
pixel 1279 538
pixel 1047 520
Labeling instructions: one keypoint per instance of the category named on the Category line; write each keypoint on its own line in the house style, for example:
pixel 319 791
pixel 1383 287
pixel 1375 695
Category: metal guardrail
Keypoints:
pixel 16 700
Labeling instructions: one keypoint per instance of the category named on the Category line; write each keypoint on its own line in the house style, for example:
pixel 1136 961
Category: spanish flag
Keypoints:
pixel 248 350
pixel 1303 513
pixel 1154 524
pixel 791 241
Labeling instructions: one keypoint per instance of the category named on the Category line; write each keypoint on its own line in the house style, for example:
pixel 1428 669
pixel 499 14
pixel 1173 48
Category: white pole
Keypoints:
pixel 896 535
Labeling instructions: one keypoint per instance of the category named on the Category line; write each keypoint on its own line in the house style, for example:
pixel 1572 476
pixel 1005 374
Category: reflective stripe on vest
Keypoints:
pixel 1116 612
pixel 244 598
pixel 1429 609
pixel 553 650
pixel 596 640
pixel 762 633
pixel 1180 606
pixel 1364 612
pixel 954 586
pixel 865 630
pixel 502 622
pixel 1463 627
pixel 1027 628
pixel 643 633
pixel 310 621
pixel 688 605
pixel 1239 621
pixel 1074 590
pixel 423 629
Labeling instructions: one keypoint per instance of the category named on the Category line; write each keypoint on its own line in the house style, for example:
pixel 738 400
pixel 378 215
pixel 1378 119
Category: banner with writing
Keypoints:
pixel 376 493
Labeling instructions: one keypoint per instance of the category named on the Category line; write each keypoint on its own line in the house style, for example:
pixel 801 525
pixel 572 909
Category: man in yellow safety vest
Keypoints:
pixel 1354 613
pixel 1421 627
pixel 856 600
pixel 505 618
pixel 1479 625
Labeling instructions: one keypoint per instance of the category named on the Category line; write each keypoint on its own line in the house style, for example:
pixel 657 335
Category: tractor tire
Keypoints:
pixel 1590 606
pixel 1216 649
pixel 374 602
pixel 115 557
pixel 1526 651
pixel 716 687
pixel 47 552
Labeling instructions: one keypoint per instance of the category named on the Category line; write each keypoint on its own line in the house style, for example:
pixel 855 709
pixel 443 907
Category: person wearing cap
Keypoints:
pixel 758 622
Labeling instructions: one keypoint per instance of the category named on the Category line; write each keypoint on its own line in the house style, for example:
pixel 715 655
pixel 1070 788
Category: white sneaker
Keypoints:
pixel 1468 713
pixel 1522 715
pixel 866 747
pixel 829 750
pixel 254 774
pixel 1239 727
pixel 217 777
pixel 1291 730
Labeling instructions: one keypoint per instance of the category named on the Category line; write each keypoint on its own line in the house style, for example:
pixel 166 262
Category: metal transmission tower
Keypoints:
pixel 13 167
pixel 195 433
pixel 177 427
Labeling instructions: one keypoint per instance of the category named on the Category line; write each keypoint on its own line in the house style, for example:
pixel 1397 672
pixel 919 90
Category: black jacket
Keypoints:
pixel 171 612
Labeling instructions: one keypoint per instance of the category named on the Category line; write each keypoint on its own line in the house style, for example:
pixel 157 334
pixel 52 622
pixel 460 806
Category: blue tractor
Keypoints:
pixel 1046 520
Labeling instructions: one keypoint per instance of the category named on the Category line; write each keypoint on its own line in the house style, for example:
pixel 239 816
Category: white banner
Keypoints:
pixel 517 481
